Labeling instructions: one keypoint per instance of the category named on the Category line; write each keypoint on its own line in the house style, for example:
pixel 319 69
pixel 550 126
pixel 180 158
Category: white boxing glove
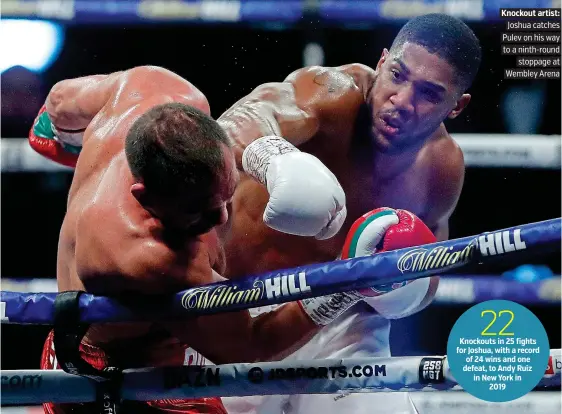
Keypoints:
pixel 305 198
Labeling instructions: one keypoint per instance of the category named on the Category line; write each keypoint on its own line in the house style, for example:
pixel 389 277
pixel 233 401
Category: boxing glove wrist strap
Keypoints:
pixel 325 309
pixel 257 155
pixel 70 140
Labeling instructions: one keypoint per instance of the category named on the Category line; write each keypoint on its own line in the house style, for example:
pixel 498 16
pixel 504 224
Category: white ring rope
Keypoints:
pixel 329 376
pixel 480 150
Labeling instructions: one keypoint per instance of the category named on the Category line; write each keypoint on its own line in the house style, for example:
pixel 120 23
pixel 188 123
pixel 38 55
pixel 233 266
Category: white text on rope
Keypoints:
pixel 501 242
pixel 283 286
pixel 3 317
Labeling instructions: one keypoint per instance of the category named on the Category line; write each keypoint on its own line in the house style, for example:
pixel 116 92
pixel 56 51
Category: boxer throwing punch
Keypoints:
pixel 380 132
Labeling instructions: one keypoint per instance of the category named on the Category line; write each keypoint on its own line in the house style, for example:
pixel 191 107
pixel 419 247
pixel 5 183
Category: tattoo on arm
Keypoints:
pixel 324 79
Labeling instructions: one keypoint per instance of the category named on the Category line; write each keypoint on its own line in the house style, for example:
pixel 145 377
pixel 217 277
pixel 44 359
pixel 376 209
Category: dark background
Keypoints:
pixel 226 62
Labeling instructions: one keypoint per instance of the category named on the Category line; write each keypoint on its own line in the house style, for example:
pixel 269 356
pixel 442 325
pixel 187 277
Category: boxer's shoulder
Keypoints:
pixel 445 153
pixel 331 94
pixel 443 161
pixel 327 84
pixel 139 90
pixel 363 75
pixel 117 246
pixel 144 264
pixel 145 86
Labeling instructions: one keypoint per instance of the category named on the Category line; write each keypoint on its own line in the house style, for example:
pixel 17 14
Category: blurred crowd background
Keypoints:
pixel 227 48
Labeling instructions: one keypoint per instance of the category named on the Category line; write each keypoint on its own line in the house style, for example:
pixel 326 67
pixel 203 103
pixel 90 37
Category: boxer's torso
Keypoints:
pixel 103 219
pixel 369 179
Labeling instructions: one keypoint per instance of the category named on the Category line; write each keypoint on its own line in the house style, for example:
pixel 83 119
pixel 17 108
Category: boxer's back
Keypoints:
pixel 104 222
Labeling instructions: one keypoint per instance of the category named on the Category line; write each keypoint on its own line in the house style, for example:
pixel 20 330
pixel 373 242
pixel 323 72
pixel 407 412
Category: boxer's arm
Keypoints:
pixel 310 100
pixel 73 103
pixel 447 182
pixel 237 337
pixel 445 187
pixel 58 130
pixel 133 265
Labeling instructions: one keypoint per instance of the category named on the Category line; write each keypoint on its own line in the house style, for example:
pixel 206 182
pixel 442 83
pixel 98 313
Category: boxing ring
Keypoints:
pixel 333 376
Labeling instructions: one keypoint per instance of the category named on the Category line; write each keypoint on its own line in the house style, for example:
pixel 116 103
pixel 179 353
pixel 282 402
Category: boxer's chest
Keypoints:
pixel 369 185
pixel 366 190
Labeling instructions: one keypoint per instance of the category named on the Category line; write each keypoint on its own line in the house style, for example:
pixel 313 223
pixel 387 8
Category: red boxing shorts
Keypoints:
pixel 164 356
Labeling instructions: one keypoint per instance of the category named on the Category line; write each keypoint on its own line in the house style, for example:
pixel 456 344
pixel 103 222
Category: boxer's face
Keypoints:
pixel 213 209
pixel 194 213
pixel 413 93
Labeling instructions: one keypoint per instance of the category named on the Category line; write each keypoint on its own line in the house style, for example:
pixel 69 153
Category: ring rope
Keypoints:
pixel 454 289
pixel 479 150
pixel 300 282
pixel 328 376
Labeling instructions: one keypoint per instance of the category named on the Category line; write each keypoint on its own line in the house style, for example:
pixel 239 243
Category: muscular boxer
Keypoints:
pixel 147 211
pixel 380 132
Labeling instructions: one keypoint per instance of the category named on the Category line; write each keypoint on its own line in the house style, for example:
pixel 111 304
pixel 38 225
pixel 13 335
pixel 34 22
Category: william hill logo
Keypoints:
pixel 214 297
pixel 500 242
pixel 421 259
pixel 490 244
pixel 220 296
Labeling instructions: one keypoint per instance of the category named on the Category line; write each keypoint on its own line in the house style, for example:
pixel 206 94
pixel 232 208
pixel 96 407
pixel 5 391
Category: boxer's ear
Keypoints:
pixel 459 107
pixel 138 190
pixel 384 56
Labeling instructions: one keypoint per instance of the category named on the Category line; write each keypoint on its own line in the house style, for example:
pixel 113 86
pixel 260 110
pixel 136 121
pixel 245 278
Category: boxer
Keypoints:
pixel 147 213
pixel 381 133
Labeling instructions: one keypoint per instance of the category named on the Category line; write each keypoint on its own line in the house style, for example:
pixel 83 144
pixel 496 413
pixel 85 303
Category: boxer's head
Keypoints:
pixel 422 80
pixel 183 167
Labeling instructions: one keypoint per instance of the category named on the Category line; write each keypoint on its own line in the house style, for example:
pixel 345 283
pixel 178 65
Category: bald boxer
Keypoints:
pixel 147 214
pixel 380 132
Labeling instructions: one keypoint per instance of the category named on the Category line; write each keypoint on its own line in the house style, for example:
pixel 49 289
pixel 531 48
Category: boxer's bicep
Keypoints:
pixel 73 103
pixel 331 96
pixel 308 101
pixel 270 109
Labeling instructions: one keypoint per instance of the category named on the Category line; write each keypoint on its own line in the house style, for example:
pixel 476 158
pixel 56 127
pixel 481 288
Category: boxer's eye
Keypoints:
pixel 396 75
pixel 430 95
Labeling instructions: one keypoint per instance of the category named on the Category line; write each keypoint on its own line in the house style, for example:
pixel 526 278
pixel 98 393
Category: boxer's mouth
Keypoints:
pixel 392 121
pixel 389 126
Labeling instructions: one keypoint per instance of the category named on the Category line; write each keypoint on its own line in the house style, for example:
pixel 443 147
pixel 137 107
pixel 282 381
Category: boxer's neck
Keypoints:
pixel 391 164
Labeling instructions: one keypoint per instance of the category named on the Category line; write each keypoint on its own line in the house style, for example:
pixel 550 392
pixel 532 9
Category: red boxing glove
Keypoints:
pixel 377 231
pixel 381 230
pixel 410 231
pixel 43 139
